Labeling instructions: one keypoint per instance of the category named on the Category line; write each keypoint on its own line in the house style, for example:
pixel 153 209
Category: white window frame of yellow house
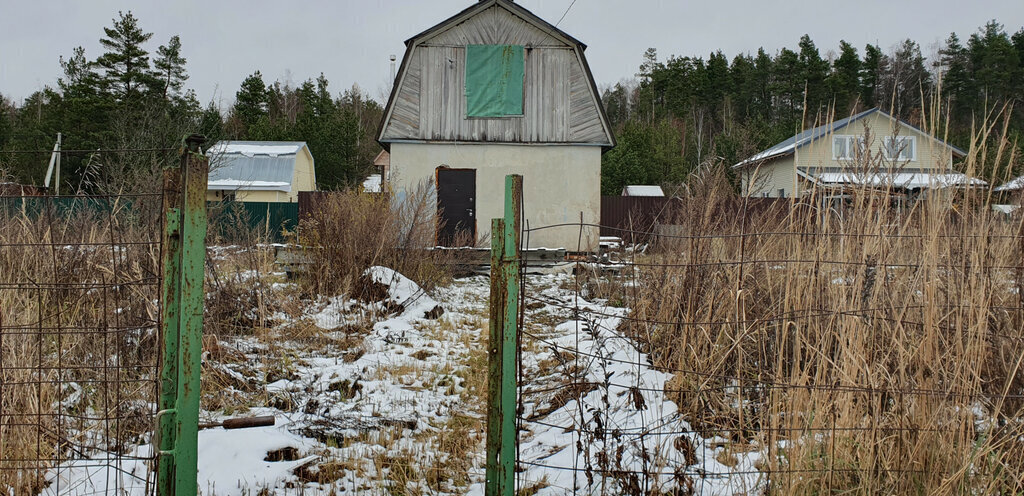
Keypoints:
pixel 848 140
pixel 912 148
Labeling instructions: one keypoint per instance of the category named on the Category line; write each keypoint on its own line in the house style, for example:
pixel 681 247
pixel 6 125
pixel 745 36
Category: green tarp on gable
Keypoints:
pixel 494 80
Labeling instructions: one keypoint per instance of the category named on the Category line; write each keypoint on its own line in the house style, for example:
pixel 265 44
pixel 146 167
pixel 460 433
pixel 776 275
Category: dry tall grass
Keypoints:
pixel 352 231
pixel 876 348
pixel 78 336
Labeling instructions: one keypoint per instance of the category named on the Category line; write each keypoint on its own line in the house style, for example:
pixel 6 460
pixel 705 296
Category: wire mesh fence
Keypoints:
pixel 788 350
pixel 79 347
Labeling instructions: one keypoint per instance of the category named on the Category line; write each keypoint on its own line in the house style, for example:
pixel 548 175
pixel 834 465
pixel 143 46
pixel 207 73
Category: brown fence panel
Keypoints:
pixel 636 218
pixel 309 201
pixel 629 217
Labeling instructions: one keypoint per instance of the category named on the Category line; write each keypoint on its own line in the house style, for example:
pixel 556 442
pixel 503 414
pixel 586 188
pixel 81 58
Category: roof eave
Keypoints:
pixel 761 160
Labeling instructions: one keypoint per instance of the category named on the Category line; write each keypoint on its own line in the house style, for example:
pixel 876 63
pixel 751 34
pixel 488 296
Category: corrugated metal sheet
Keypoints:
pixel 257 147
pixel 253 165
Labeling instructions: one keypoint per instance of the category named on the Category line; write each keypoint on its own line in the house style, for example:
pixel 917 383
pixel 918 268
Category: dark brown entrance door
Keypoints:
pixel 456 207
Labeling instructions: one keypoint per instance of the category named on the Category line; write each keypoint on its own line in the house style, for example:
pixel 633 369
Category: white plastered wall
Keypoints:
pixel 559 182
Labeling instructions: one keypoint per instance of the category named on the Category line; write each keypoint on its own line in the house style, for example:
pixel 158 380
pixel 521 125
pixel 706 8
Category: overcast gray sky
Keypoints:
pixel 349 41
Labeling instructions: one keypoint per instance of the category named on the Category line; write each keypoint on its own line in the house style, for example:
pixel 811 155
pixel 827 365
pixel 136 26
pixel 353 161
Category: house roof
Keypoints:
pixel 804 138
pixel 253 165
pixel 642 190
pixel 469 12
pixel 907 180
pixel 1012 185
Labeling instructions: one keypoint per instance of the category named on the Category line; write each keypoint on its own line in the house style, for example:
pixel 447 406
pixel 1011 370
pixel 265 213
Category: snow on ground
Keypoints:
pixel 102 473
pixel 616 432
pixel 395 405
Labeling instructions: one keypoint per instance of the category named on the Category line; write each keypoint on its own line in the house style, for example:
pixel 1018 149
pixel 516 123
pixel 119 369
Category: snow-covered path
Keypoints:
pixel 396 406
pixel 608 428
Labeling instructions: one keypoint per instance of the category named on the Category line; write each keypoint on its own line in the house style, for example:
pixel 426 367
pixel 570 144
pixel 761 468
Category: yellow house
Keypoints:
pixel 260 171
pixel 871 149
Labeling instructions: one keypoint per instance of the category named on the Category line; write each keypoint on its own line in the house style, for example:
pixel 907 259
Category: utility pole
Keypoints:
pixel 57 184
pixel 54 163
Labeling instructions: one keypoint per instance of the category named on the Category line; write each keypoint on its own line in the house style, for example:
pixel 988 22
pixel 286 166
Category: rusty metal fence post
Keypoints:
pixel 504 325
pixel 181 321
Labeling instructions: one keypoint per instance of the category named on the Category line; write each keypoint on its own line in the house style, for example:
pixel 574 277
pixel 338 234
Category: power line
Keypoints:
pixel 564 13
pixel 98 150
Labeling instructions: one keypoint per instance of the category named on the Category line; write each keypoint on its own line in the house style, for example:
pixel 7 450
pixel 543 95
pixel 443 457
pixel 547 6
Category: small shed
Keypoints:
pixel 642 190
pixel 496 90
pixel 260 171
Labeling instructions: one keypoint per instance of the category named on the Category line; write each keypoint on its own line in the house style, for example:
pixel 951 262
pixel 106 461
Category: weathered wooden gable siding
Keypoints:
pixel 405 119
pixel 585 122
pixel 546 108
pixel 559 105
pixel 494 26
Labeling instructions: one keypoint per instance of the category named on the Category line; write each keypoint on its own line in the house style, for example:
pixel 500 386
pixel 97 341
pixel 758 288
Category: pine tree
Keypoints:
pixel 126 63
pixel 763 70
pixel 844 81
pixel 718 81
pixel 874 64
pixel 814 70
pixel 648 95
pixel 6 125
pixel 211 124
pixel 905 81
pixel 170 68
pixel 80 76
pixel 80 109
pixel 996 63
pixel 616 104
pixel 957 83
pixel 251 103
pixel 788 88
pixel 1018 43
pixel 322 102
pixel 744 83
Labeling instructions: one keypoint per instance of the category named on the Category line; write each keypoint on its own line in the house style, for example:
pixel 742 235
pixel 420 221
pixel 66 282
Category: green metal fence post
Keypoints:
pixel 503 344
pixel 170 306
pixel 193 258
pixel 182 322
